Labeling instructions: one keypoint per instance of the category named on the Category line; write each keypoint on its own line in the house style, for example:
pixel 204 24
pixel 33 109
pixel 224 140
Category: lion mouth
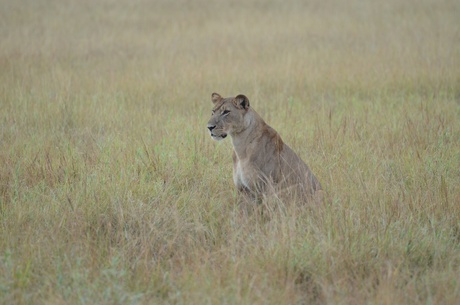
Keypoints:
pixel 219 137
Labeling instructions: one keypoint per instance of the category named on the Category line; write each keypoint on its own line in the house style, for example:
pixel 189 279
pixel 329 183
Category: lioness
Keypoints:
pixel 262 162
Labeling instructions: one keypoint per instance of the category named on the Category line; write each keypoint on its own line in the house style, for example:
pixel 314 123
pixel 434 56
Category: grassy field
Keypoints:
pixel 112 192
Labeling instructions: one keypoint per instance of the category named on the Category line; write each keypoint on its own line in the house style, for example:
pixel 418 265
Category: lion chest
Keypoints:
pixel 238 175
pixel 242 175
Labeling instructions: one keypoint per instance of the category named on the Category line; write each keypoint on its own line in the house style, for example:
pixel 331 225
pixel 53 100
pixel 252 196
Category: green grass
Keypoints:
pixel 112 192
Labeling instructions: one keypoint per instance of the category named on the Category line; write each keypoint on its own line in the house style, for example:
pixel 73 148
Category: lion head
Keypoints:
pixel 228 116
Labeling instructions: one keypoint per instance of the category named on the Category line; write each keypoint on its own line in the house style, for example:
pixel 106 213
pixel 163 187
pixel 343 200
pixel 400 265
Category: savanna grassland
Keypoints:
pixel 112 192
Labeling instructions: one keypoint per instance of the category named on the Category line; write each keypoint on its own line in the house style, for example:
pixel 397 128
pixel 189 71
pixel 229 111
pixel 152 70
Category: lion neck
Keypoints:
pixel 254 126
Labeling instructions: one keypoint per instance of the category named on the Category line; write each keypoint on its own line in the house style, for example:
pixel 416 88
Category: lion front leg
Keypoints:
pixel 245 200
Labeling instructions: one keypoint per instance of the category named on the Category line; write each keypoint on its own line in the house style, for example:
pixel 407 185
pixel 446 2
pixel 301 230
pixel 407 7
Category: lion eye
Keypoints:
pixel 225 112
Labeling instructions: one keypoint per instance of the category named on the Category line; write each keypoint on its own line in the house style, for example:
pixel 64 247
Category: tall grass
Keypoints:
pixel 111 191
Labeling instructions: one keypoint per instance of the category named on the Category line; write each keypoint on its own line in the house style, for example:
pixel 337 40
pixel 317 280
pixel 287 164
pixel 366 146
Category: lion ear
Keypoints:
pixel 241 101
pixel 215 97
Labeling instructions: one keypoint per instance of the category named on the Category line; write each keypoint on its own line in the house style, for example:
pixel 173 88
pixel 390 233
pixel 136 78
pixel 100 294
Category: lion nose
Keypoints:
pixel 211 127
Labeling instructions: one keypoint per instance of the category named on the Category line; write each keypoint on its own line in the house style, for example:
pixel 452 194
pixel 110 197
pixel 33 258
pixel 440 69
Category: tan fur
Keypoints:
pixel 262 162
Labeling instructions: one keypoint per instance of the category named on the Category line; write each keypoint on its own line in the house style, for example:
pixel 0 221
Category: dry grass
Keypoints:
pixel 111 191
